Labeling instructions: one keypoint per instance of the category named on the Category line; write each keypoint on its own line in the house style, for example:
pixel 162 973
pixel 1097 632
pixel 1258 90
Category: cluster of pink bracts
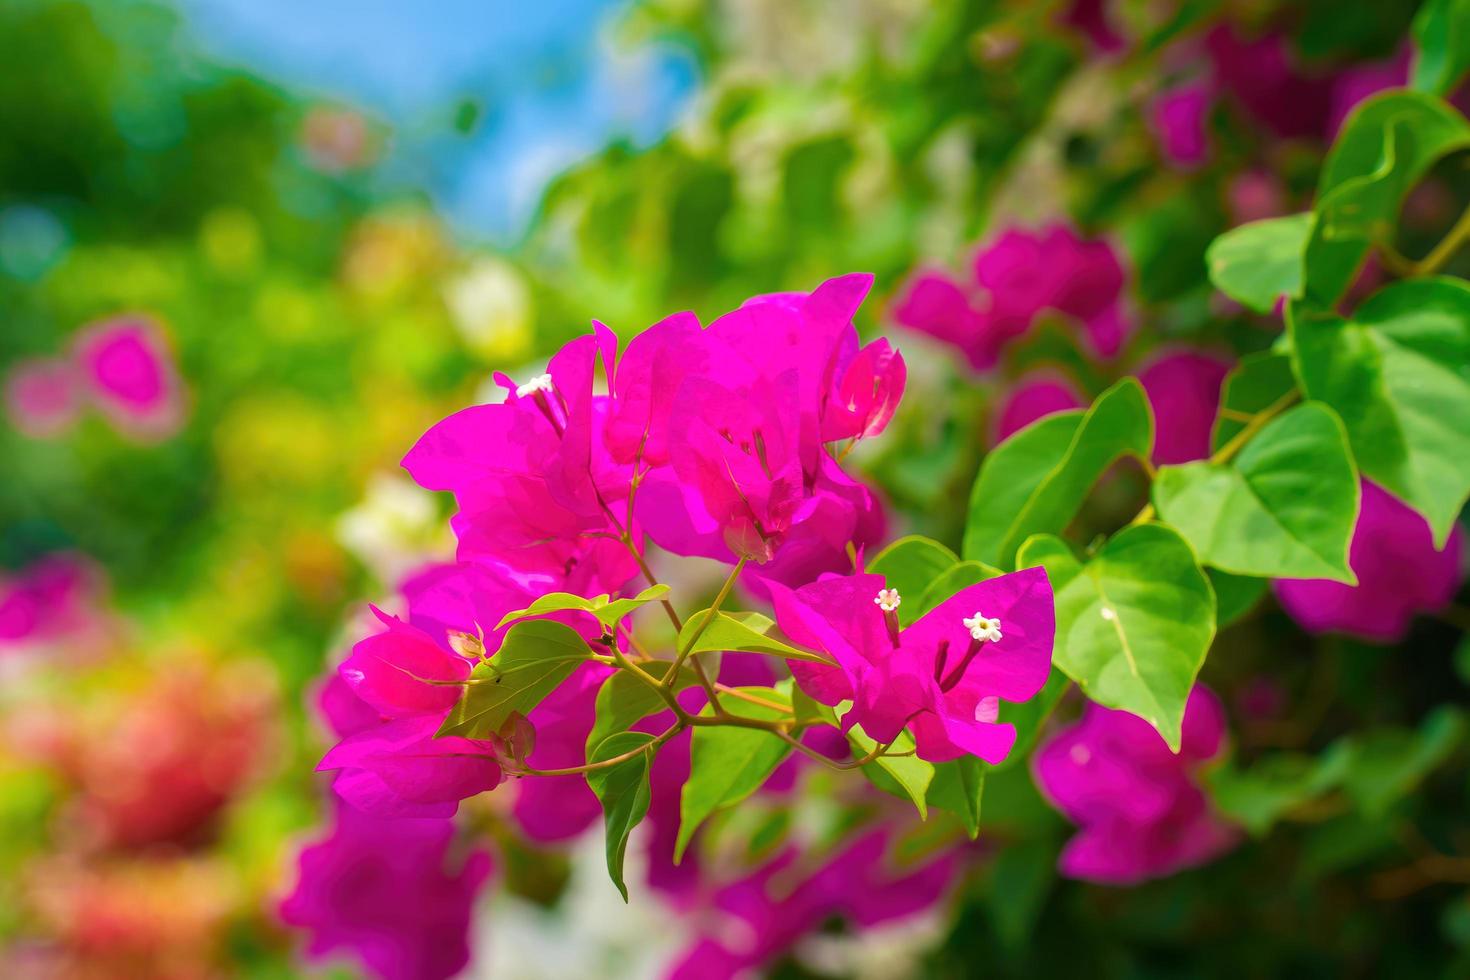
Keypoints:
pixel 724 442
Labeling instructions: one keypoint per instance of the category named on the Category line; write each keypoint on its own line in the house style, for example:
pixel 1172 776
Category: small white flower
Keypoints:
pixel 1109 613
pixel 983 629
pixel 887 599
pixel 542 382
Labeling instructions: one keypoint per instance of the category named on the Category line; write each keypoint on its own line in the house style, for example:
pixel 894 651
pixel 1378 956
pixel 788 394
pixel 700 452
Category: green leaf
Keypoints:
pixel 535 657
pixel 742 631
pixel 1385 146
pixel 1037 480
pixel 1134 623
pixel 909 775
pixel 1257 383
pixel 624 700
pixel 1388 763
pixel 910 565
pixel 1235 595
pixel 959 787
pixel 1258 263
pixel 961 576
pixel 1284 507
pixel 607 609
pixel 1009 475
pixel 625 792
pixel 1275 784
pixel 1442 45
pixel 1397 375
pixel 727 764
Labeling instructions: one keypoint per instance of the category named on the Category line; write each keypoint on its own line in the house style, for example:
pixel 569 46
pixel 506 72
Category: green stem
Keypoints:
pixel 1445 250
pixel 652 746
pixel 688 645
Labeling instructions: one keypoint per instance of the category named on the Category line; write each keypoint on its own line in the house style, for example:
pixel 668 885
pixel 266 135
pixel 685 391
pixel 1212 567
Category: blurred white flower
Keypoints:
pixel 395 528
pixel 589 932
pixel 491 307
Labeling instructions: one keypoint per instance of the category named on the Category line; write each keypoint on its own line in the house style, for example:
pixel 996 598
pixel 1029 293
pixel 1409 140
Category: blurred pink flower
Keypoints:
pixel 1034 397
pixel 54 599
pixel 761 916
pixel 1139 808
pixel 1017 277
pixel 390 892
pixel 1183 387
pixel 41 397
pixel 1400 574
pixel 1180 119
pixel 127 370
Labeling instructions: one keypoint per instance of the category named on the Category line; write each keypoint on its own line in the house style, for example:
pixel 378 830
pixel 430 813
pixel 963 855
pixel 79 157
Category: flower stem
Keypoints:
pixel 651 746
pixel 1236 442
pixel 1444 251
pixel 689 644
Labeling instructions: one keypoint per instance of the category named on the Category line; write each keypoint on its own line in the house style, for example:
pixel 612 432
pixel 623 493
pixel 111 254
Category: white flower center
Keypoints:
pixel 542 382
pixel 888 599
pixel 982 628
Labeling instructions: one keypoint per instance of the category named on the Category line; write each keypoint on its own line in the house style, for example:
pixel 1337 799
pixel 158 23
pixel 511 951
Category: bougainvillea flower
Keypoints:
pixel 55 598
pixel 399 769
pixel 403 672
pixel 943 676
pixel 390 893
pixel 1180 120
pixel 731 422
pixel 761 916
pixel 1091 18
pixel 1183 387
pixel 1014 279
pixel 127 369
pixel 535 491
pixel 1400 574
pixel 1139 808
pixel 41 397
pixel 1033 398
pixel 1262 77
pixel 1354 84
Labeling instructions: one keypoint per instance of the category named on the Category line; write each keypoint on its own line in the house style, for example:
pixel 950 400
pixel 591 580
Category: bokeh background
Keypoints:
pixel 321 226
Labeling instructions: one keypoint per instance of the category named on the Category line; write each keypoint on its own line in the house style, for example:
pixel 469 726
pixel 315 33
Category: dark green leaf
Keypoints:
pixel 1397 375
pixel 959 787
pixel 1034 489
pixel 908 774
pixel 1442 45
pixel 1256 384
pixel 624 791
pixel 1385 146
pixel 624 700
pixel 727 764
pixel 1235 595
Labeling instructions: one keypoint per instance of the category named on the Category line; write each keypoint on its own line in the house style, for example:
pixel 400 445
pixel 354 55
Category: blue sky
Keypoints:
pixel 550 89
